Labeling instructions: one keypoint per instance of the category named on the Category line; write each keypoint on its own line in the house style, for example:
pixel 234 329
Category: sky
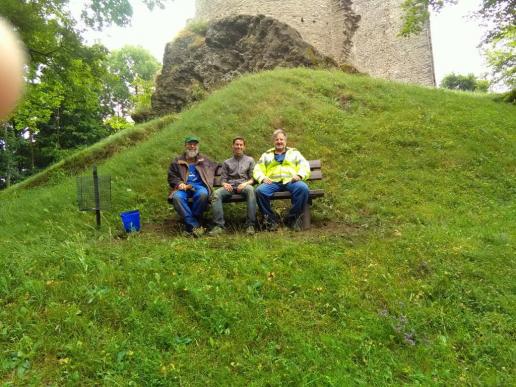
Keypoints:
pixel 455 40
pixel 454 36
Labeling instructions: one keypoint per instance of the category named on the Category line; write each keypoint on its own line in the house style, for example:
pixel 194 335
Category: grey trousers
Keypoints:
pixel 222 194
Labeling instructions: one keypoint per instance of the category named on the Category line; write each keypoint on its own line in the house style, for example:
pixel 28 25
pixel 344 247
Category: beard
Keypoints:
pixel 192 153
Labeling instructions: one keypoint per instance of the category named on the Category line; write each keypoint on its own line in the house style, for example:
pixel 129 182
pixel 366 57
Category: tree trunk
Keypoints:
pixel 7 157
pixel 31 138
pixel 58 130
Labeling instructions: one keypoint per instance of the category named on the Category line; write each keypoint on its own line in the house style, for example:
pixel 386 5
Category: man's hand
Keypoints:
pixel 228 187
pixel 184 187
pixel 266 180
pixel 296 178
pixel 241 186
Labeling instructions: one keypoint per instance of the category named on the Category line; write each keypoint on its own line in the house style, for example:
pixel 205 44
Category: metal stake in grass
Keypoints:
pixel 94 193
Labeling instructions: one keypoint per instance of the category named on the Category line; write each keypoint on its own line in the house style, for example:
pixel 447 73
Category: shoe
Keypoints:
pixel 270 223
pixel 272 226
pixel 250 230
pixel 293 224
pixel 217 230
pixel 198 232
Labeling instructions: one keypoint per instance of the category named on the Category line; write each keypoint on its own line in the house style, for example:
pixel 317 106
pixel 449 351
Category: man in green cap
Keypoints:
pixel 190 176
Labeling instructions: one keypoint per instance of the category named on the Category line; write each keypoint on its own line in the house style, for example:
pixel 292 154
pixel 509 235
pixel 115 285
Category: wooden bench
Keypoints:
pixel 316 174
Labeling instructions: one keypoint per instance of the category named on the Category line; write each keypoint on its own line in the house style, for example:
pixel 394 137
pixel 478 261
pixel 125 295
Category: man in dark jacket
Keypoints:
pixel 191 177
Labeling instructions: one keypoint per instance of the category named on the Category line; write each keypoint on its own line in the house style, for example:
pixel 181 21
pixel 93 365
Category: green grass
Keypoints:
pixel 407 277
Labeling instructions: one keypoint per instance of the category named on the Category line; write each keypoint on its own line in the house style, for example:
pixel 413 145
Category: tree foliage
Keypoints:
pixel 99 14
pixel 501 57
pixel 67 97
pixel 132 72
pixel 500 40
pixel 464 82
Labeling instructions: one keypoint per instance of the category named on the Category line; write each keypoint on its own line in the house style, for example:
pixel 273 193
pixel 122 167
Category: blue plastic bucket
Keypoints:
pixel 131 220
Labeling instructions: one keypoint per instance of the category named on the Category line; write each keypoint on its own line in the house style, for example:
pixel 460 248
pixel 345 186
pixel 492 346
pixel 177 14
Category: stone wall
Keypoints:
pixel 362 33
pixel 378 50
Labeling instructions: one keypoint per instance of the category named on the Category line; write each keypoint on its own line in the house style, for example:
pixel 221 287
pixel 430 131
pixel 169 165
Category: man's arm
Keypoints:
pixel 224 175
pixel 260 169
pixel 250 169
pixel 303 167
pixel 174 175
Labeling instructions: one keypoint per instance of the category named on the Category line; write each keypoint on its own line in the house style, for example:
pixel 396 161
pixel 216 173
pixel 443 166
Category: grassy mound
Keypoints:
pixel 406 277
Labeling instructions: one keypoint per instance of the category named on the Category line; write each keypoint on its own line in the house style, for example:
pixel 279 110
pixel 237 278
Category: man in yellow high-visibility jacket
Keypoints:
pixel 281 169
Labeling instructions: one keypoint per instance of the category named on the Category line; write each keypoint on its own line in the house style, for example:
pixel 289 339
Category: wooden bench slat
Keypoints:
pixel 315 175
pixel 314 193
pixel 315 164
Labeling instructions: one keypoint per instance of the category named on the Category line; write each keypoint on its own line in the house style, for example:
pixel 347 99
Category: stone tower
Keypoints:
pixel 362 33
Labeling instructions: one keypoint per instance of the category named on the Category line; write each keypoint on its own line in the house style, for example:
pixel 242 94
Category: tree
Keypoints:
pixel 98 14
pixel 63 106
pixel 464 82
pixel 132 72
pixel 500 41
pixel 501 57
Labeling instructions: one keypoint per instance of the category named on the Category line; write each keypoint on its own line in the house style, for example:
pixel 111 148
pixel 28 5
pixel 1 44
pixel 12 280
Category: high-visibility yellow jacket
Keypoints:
pixel 293 164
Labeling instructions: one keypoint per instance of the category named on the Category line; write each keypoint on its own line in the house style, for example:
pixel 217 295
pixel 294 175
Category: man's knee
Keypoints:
pixel 260 190
pixel 200 194
pixel 217 195
pixel 177 198
pixel 301 187
pixel 248 191
pixel 202 197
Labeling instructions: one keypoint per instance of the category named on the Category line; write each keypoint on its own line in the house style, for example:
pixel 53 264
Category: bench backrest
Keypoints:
pixel 315 174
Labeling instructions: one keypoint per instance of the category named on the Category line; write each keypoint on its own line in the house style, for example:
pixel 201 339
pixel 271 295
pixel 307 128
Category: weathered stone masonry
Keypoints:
pixel 359 32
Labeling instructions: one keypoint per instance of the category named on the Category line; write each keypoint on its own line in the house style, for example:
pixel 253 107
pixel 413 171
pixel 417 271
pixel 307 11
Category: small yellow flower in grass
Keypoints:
pixel 270 275
pixel 165 369
pixel 319 289
pixel 64 360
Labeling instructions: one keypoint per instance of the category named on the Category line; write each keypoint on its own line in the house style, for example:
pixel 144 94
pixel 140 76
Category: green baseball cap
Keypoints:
pixel 191 139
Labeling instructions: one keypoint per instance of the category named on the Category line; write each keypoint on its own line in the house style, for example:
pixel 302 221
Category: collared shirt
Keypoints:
pixel 237 170
pixel 279 157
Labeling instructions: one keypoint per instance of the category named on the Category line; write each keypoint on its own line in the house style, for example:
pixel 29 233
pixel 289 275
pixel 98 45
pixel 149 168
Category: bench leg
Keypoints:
pixel 306 217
